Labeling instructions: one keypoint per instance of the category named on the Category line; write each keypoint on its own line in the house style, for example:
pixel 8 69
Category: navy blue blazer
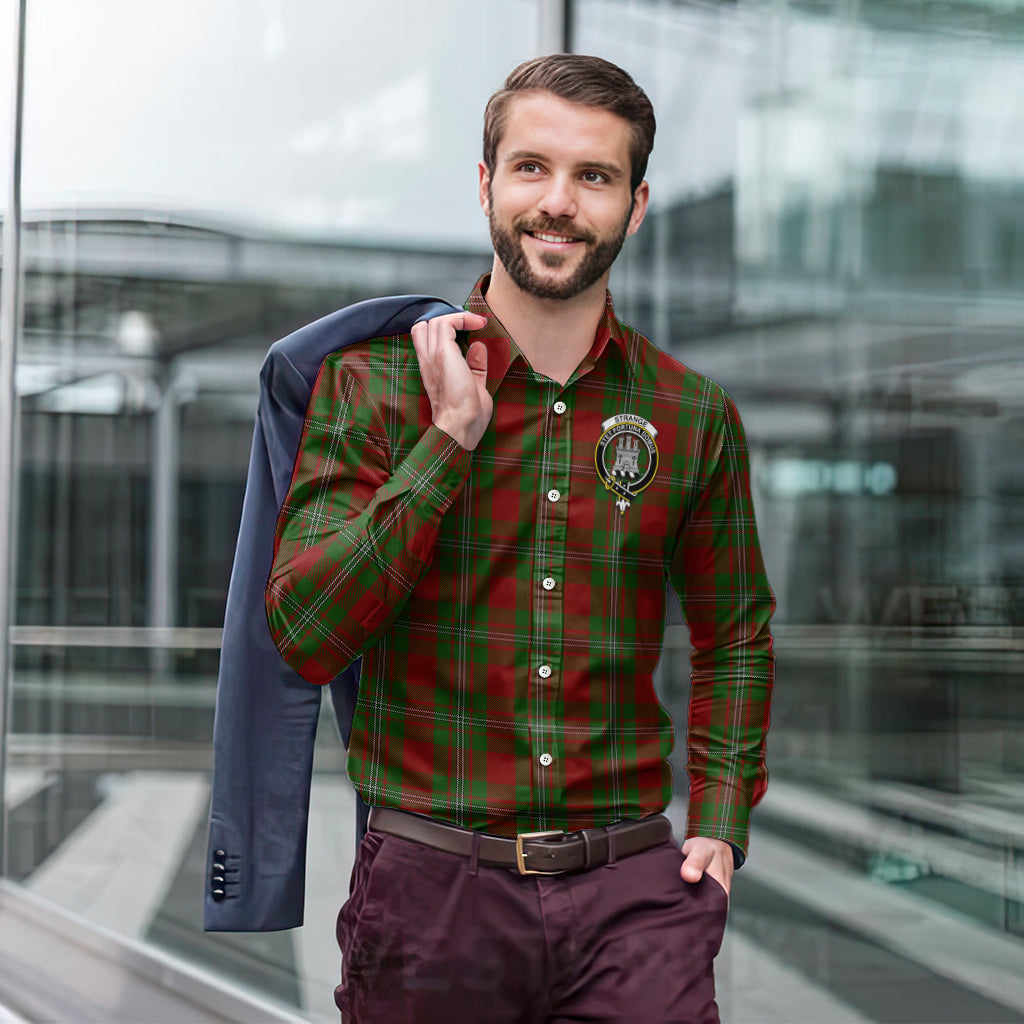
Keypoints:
pixel 266 714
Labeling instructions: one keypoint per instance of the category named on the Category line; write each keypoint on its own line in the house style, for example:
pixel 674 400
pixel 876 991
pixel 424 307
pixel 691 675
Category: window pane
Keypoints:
pixel 836 236
pixel 201 178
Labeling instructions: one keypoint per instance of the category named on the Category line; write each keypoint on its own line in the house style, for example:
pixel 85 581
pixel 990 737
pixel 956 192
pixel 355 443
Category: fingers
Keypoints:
pixel 456 386
pixel 435 343
pixel 473 321
pixel 438 329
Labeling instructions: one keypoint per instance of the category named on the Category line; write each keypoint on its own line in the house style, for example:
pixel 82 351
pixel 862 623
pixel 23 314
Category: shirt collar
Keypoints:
pixel 502 351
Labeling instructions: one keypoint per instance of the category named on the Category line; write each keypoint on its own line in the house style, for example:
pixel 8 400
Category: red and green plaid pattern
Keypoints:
pixel 509 616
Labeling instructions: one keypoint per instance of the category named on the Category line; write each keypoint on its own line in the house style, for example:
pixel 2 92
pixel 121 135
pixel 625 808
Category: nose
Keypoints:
pixel 559 199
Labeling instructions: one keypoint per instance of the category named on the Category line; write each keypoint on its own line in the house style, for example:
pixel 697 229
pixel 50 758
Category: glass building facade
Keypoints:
pixel 836 235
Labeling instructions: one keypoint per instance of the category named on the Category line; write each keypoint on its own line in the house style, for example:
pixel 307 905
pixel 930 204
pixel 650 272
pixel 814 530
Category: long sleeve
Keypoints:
pixel 719 575
pixel 356 532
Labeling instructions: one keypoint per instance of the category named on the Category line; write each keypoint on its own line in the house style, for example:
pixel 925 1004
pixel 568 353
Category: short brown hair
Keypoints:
pixel 575 77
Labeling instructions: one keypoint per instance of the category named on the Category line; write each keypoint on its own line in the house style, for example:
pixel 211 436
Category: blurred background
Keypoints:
pixel 836 235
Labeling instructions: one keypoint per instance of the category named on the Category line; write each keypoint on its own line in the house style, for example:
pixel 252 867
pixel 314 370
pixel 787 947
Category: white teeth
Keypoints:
pixel 551 238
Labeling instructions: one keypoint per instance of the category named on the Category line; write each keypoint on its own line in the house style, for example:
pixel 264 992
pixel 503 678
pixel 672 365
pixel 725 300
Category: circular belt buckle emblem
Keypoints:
pixel 626 456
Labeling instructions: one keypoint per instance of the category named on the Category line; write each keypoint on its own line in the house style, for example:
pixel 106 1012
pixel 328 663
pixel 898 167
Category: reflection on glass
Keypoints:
pixel 836 237
pixel 8 25
pixel 190 199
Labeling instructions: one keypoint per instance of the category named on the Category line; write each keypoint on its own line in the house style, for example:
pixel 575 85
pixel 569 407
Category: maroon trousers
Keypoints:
pixel 429 937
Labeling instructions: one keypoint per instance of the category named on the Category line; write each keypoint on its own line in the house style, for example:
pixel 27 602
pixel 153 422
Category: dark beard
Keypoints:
pixel 509 249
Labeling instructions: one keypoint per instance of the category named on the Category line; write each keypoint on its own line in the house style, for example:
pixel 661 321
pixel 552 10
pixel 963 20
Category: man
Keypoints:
pixel 487 511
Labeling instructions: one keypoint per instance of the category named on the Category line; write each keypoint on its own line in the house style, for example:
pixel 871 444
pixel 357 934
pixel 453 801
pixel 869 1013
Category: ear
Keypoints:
pixel 485 180
pixel 640 200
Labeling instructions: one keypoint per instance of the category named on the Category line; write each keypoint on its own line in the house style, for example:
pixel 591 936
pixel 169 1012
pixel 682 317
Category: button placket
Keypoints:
pixel 548 610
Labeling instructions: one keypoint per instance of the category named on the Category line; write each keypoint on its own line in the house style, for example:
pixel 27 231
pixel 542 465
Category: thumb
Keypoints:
pixel 476 356
pixel 694 864
pixel 691 871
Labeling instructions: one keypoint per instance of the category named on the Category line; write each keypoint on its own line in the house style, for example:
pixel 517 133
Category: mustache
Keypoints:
pixel 553 227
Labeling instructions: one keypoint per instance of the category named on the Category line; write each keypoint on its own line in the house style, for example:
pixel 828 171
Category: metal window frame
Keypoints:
pixel 554 26
pixel 10 325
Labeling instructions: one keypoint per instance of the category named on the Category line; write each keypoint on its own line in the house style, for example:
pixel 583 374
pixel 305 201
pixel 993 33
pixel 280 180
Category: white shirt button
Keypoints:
pixel 554 495
pixel 544 671
pixel 545 759
pixel 559 407
pixel 549 583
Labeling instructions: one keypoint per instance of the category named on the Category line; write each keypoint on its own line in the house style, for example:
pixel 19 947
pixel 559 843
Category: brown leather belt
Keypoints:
pixel 531 853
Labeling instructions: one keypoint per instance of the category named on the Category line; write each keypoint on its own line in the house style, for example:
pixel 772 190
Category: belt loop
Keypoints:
pixel 474 853
pixel 585 833
pixel 611 847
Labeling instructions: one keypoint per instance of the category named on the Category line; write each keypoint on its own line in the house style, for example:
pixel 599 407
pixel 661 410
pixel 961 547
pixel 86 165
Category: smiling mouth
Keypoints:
pixel 546 237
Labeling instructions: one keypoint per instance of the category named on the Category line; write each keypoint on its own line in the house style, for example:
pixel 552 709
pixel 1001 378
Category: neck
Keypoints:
pixel 553 334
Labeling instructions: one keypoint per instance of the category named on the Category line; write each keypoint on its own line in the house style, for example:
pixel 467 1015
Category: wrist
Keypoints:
pixel 460 433
pixel 457 433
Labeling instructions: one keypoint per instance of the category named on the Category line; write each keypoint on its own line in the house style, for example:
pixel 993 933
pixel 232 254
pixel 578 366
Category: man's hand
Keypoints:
pixel 459 401
pixel 711 855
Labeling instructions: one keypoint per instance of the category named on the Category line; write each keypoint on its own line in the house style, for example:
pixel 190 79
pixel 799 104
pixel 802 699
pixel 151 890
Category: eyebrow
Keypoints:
pixel 613 171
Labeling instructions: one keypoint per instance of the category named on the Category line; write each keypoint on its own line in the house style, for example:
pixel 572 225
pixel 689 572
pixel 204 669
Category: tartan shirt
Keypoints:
pixel 509 603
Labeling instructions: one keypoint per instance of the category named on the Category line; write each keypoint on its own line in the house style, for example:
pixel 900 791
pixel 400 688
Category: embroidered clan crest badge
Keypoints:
pixel 626 456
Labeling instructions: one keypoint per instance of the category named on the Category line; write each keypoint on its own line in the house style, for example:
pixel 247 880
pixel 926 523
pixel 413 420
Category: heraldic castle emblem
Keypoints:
pixel 626 456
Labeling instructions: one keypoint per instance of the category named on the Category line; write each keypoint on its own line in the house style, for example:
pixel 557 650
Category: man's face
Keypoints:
pixel 559 203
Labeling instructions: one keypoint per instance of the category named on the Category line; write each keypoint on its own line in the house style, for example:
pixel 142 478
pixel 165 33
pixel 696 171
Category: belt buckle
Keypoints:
pixel 521 863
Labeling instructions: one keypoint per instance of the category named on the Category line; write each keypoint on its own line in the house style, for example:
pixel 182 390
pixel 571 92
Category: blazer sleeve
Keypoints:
pixel 260 798
pixel 266 715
